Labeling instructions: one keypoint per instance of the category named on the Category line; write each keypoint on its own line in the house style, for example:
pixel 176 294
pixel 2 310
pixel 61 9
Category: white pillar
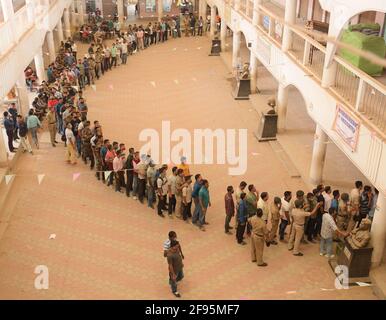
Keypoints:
pixel 223 34
pixel 202 9
pixel 120 11
pixel 378 231
pixel 237 5
pixel 7 8
pixel 330 66
pixel 253 72
pixel 212 20
pixel 318 155
pixel 81 10
pixel 51 46
pixel 282 102
pixel 236 49
pixel 160 9
pixel 256 16
pixel 3 150
pixel 22 93
pixel 289 17
pixel 59 31
pixel 39 65
pixel 73 16
pixel 67 25
pixel 30 10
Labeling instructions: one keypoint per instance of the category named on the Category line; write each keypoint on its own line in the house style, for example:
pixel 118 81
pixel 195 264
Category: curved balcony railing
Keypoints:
pixel 364 94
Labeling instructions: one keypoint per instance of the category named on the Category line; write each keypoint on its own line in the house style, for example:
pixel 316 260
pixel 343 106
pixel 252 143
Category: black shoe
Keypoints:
pixel 56 142
pixel 263 264
pixel 177 294
pixel 230 228
pixel 298 254
pixel 161 215
pixel 54 145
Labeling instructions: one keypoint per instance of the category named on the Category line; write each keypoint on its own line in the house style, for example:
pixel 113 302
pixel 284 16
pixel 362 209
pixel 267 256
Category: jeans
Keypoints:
pixel 228 219
pixel 10 140
pixel 173 283
pixel 129 183
pixel 240 232
pixel 141 189
pixel 318 224
pixel 150 196
pixel 282 227
pixel 161 204
pixel 34 134
pixel 197 210
pixel 310 228
pixel 79 145
pixel 25 144
pixel 124 58
pixel 201 218
pixel 172 204
pixel 60 125
pixel 326 246
pixel 186 210
pixel 135 185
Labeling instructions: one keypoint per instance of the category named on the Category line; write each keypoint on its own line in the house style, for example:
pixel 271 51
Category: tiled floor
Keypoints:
pixel 110 247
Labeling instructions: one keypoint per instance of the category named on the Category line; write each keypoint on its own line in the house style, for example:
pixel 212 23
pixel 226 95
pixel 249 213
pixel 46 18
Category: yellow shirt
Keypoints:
pixel 185 168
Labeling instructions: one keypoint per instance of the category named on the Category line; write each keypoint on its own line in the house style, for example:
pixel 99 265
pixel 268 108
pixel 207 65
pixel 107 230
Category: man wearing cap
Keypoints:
pixel 180 183
pixel 259 236
pixel 176 265
pixel 184 166
pixel 298 219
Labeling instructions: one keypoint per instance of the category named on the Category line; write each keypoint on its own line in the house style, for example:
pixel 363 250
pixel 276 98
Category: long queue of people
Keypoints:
pixel 66 112
pixel 322 215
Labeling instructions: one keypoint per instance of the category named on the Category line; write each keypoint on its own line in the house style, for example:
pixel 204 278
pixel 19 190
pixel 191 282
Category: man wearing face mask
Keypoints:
pixel 229 209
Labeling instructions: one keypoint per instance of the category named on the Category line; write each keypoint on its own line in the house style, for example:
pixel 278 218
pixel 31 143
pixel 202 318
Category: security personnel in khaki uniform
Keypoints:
pixel 258 237
pixel 275 219
pixel 98 63
pixel 298 219
pixel 96 148
pixel 92 64
pixel 51 120
pixel 86 144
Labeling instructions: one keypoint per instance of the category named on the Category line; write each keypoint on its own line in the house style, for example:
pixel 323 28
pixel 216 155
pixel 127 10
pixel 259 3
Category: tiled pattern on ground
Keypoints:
pixel 110 247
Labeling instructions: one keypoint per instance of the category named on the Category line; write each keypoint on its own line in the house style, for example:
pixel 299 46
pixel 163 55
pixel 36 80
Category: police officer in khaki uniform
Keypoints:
pixel 298 219
pixel 51 120
pixel 275 218
pixel 258 237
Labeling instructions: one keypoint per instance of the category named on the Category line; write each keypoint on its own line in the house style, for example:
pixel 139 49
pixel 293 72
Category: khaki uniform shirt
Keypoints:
pixel 259 227
pixel 275 212
pixel 51 117
pixel 299 216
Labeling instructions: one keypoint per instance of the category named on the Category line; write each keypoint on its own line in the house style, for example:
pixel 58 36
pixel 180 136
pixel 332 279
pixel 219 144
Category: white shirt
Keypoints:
pixel 172 183
pixel 187 192
pixel 69 136
pixel 162 183
pixel 328 226
pixel 263 205
pixel 327 201
pixel 285 206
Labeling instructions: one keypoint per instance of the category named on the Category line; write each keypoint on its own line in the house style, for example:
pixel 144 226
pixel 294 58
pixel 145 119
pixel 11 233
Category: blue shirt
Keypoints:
pixel 196 189
pixel 8 124
pixel 242 213
pixel 204 196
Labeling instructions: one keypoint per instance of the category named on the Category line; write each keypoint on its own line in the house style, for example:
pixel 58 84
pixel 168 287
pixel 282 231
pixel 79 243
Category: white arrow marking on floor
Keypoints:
pixel 176 81
pixel 40 178
pixel 52 236
pixel 93 86
pixel 363 284
pixel 152 83
pixel 8 178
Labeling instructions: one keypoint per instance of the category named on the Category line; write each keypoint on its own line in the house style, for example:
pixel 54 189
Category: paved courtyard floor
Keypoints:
pixel 110 247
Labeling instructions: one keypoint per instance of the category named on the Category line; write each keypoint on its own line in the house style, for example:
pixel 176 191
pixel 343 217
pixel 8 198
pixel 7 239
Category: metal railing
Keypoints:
pixel 358 90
